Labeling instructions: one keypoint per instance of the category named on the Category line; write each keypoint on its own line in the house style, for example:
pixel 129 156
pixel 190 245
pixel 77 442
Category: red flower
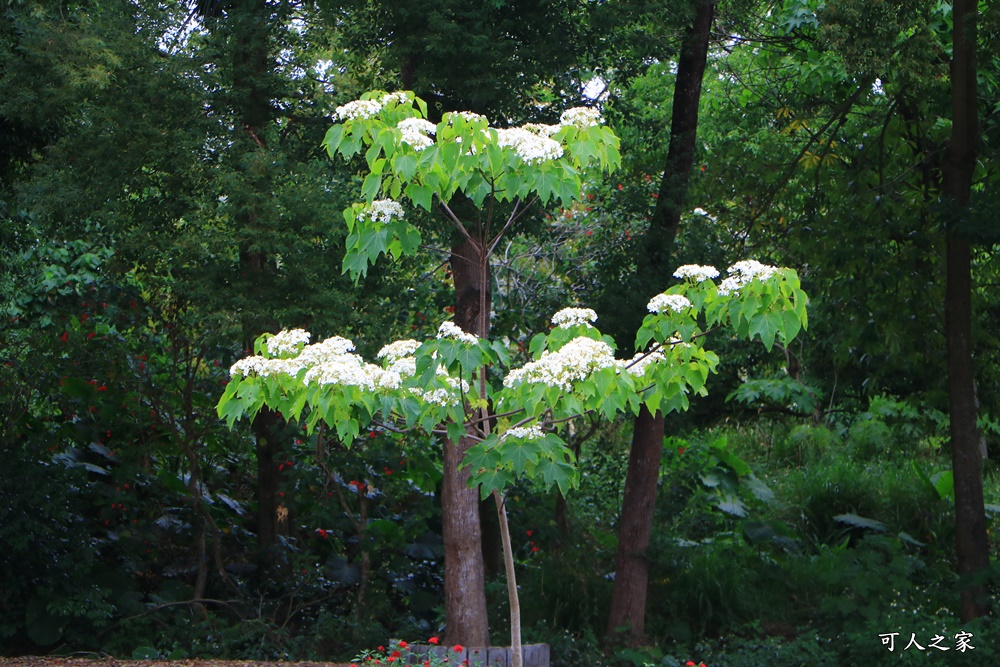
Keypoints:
pixel 680 450
pixel 458 648
pixel 63 337
pixel 433 640
pixel 427 663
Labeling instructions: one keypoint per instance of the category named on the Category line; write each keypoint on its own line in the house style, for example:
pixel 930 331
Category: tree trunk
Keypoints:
pixel 627 619
pixel 628 602
pixel 268 478
pixel 246 30
pixel 971 540
pixel 464 579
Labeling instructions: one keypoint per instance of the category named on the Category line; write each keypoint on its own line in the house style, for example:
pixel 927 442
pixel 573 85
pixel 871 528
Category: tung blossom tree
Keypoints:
pixel 496 176
pixel 437 386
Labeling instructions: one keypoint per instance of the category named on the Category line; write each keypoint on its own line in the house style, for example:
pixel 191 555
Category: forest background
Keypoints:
pixel 165 198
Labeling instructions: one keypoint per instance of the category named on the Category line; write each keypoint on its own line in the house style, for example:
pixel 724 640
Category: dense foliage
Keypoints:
pixel 167 194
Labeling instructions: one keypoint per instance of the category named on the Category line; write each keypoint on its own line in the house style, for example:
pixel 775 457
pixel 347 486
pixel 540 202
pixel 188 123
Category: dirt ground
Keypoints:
pixel 45 661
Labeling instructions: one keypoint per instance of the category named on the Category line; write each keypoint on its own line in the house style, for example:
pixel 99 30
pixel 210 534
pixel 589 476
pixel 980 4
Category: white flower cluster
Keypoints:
pixel 443 396
pixel 696 272
pixel 743 273
pixel 661 303
pixel 541 129
pixel 327 349
pixel 570 363
pixel 255 366
pixel 383 210
pixel 398 349
pixel 399 355
pixel 398 97
pixel 359 109
pixel 331 348
pixel 569 317
pixel 468 116
pixel 287 341
pixel 581 117
pixel 638 364
pixel 328 362
pixel 533 432
pixel 531 148
pixel 351 370
pixel 405 366
pixel 451 330
pixel 417 132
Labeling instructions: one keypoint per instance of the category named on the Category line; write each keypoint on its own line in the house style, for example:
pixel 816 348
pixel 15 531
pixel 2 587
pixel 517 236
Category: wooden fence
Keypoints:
pixel 535 655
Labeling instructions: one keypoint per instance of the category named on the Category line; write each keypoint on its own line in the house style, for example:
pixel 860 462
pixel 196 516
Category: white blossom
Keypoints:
pixel 638 364
pixel 383 210
pixel 328 362
pixel 250 366
pixel 326 349
pixel 444 396
pixel 287 341
pixel 531 148
pixel 541 129
pixel 571 363
pixel 405 366
pixel 397 97
pixel 581 117
pixel 664 302
pixel 398 349
pixel 468 116
pixel 417 132
pixel 351 370
pixel 359 109
pixel 696 272
pixel 743 273
pixel 533 432
pixel 751 269
pixel 451 330
pixel 568 317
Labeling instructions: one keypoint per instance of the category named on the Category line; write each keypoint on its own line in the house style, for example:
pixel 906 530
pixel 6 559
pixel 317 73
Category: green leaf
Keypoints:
pixel 421 195
pixel 483 456
pixel 332 139
pixel 558 473
pixel 489 481
pixel 371 186
pixel 731 504
pixel 405 166
pixel 860 522
pixel 517 454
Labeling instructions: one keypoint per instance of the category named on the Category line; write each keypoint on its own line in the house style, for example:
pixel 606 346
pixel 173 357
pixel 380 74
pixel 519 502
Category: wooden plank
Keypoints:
pixel 498 656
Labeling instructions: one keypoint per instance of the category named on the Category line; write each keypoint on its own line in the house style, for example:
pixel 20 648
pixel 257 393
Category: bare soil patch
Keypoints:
pixel 48 661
